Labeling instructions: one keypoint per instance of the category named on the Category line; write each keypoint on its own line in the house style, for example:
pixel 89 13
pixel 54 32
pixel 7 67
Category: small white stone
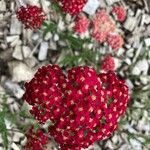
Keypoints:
pixel 17 136
pixel 91 6
pixel 130 84
pixel 53 45
pixel 20 71
pixel 2 5
pixel 43 51
pixel 68 18
pixel 136 144
pixel 17 53
pixel 144 79
pixel 147 41
pixel 35 36
pixel 130 23
pixel 110 2
pixel 56 37
pixel 14 146
pixel 128 61
pixel 142 66
pixel 26 51
pixel 15 27
pixel 14 89
pixel 12 38
pixel 61 25
pixel 48 36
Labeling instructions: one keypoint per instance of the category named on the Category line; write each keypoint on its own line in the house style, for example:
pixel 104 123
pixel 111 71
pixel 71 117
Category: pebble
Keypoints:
pixel 142 66
pixel 15 27
pixel 147 42
pixel 14 89
pixel 136 144
pixel 56 37
pixel 91 6
pixel 14 146
pixel 17 54
pixel 3 5
pixel 12 38
pixel 43 51
pixel 20 71
pixel 26 51
pixel 52 45
pixel 48 36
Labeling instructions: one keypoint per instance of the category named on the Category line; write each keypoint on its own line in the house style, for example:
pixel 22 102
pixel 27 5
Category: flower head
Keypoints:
pixel 73 7
pixel 108 63
pixel 36 140
pixel 84 106
pixel 120 13
pixel 115 41
pixel 31 16
pixel 102 26
pixel 81 24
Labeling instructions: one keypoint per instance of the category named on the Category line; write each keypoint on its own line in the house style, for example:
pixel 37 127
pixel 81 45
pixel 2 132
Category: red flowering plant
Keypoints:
pixel 36 139
pixel 30 15
pixel 84 106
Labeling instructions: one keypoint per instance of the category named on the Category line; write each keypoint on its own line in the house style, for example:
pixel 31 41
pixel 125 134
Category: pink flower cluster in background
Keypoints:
pixel 103 29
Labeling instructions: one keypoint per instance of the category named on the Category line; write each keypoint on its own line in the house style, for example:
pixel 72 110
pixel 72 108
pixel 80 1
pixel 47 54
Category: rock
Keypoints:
pixel 48 36
pixel 43 51
pixel 130 84
pixel 31 61
pixel 17 136
pixel 20 71
pixel 45 5
pixel 12 38
pixel 142 66
pixel 14 146
pixel 15 27
pixel 61 25
pixel 147 42
pixel 3 5
pixel 130 23
pixel 26 51
pixel 56 37
pixel 17 53
pixel 145 19
pixel 53 45
pixel 91 6
pixel 13 89
pixel 13 105
pixel 68 18
pixel 35 36
pixel 110 2
pixel 136 144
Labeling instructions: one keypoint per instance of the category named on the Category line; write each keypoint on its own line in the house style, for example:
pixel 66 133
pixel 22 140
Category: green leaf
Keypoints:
pixel 3 129
pixel 49 27
pixel 56 7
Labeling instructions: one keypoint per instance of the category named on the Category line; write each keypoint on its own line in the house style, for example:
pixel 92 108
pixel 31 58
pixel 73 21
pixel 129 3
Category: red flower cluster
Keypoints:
pixel 36 140
pixel 73 7
pixel 81 24
pixel 120 13
pixel 31 16
pixel 84 106
pixel 108 63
